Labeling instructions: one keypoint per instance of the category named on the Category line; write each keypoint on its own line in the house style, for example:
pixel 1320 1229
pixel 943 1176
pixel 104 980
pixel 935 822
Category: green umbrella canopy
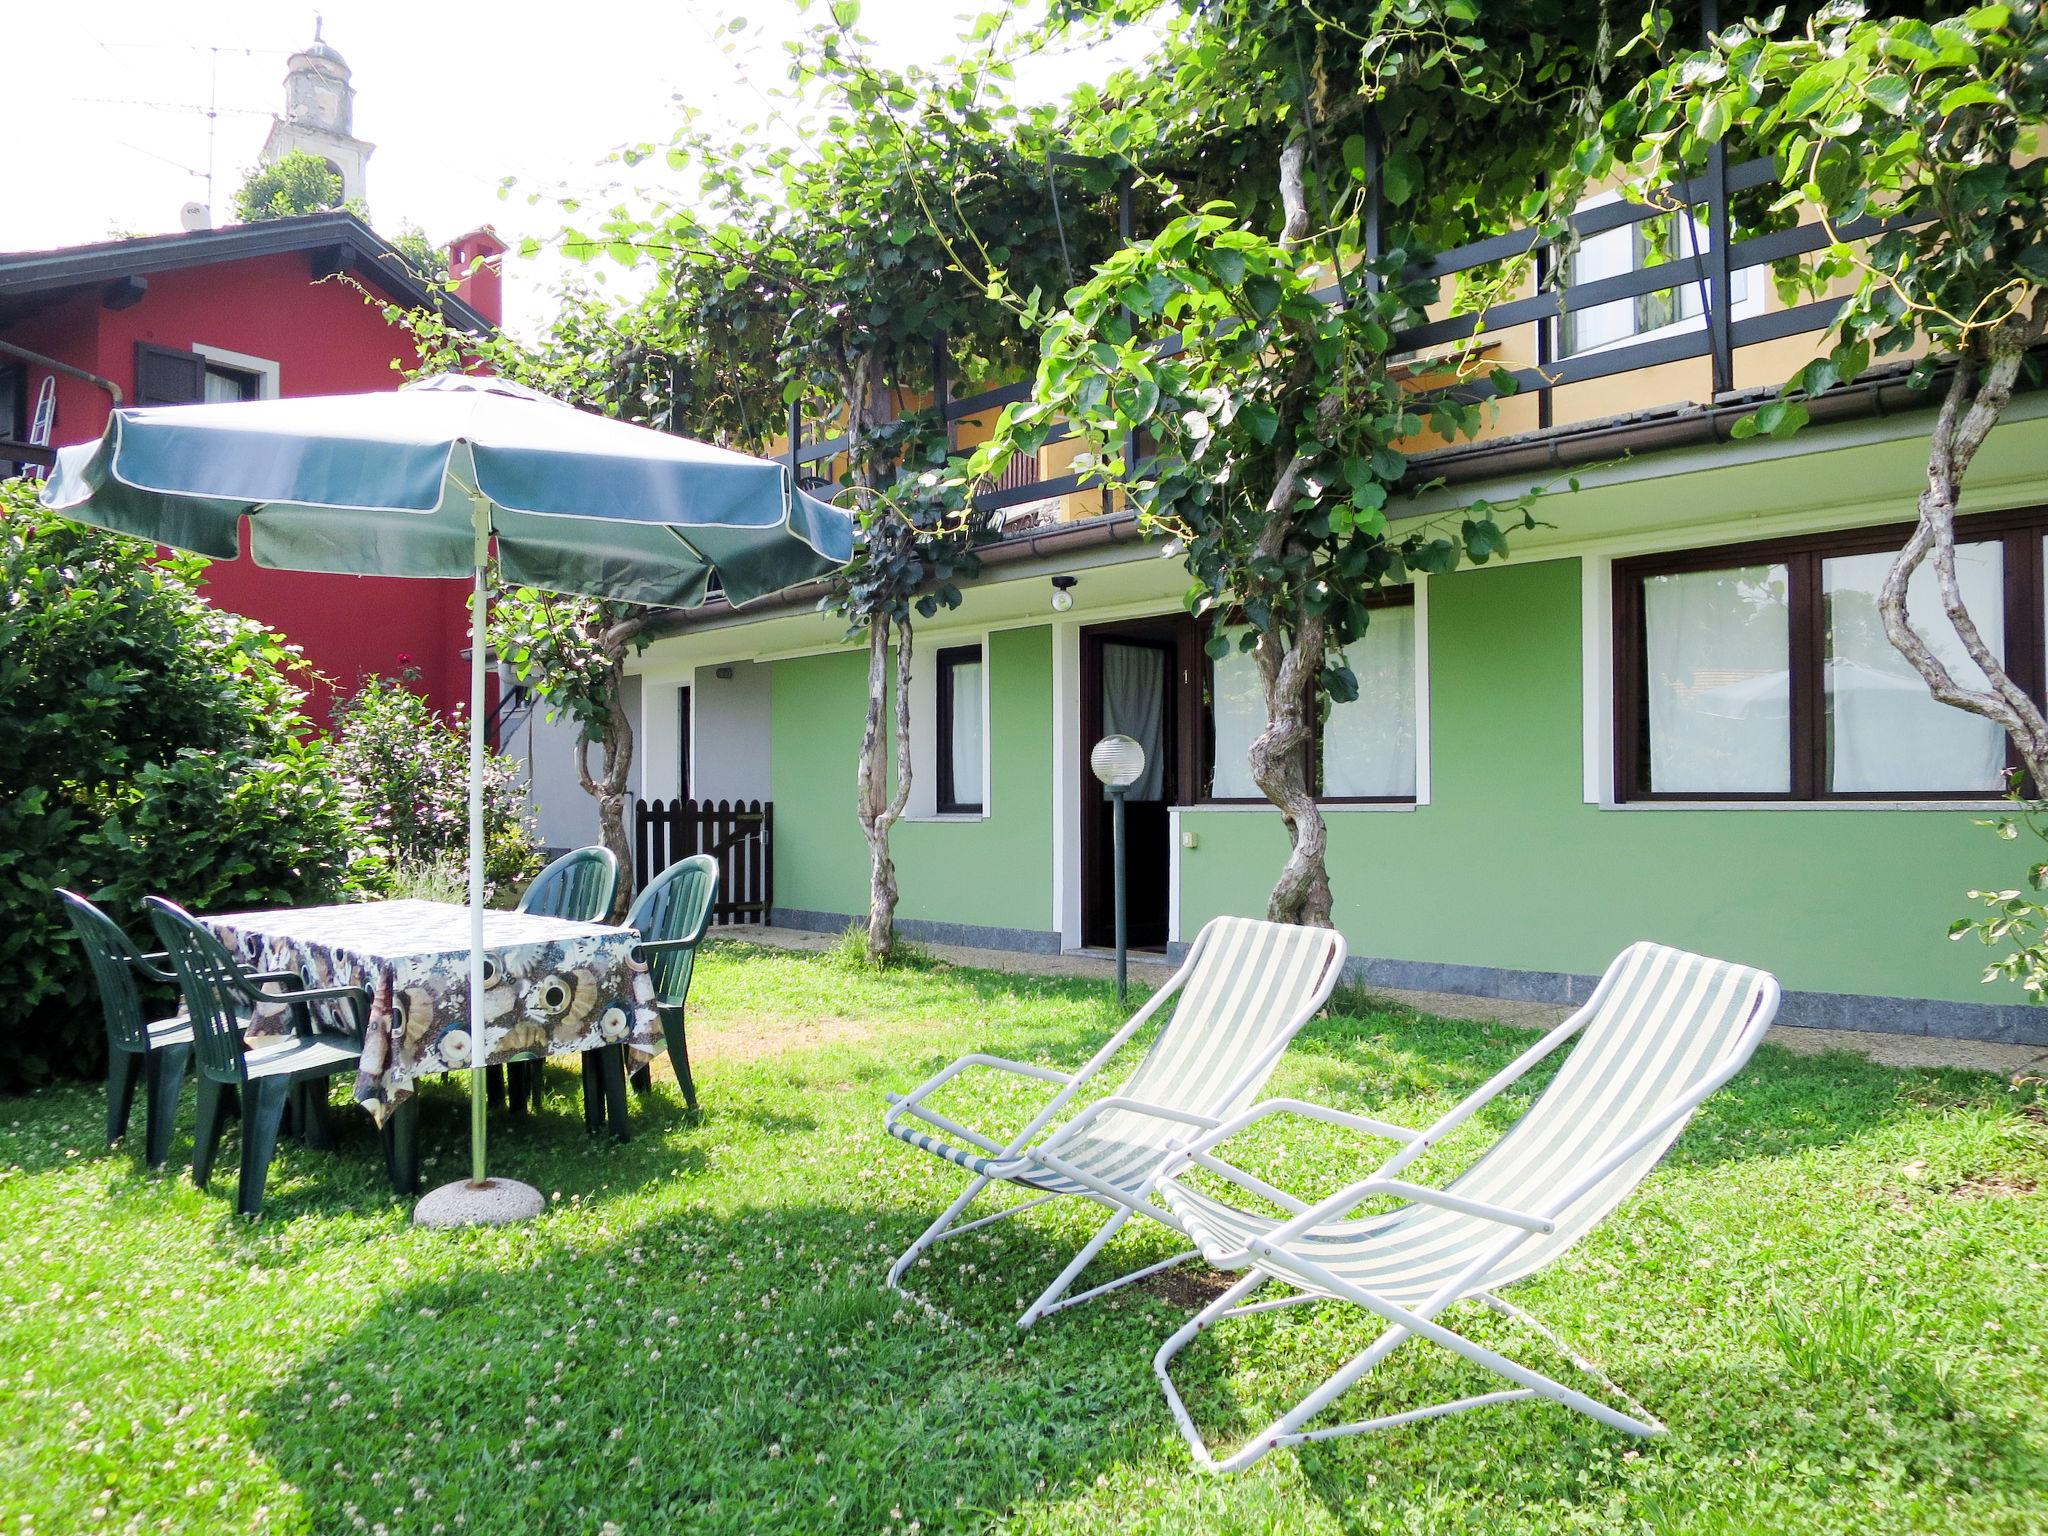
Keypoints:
pixel 386 484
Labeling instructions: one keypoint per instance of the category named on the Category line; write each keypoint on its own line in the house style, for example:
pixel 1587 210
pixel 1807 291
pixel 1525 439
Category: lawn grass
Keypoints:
pixel 1835 1291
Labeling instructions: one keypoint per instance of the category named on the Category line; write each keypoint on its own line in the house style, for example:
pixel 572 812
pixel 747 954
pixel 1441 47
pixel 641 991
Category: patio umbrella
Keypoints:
pixel 419 481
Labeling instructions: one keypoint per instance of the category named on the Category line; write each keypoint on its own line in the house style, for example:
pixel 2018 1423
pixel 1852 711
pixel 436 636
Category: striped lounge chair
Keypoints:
pixel 1662 1031
pixel 1244 990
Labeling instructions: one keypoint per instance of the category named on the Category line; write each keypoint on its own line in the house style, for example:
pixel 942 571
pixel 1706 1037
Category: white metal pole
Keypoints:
pixel 481 515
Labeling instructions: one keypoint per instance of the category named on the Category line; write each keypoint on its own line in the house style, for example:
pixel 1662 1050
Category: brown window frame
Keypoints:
pixel 1200 727
pixel 2021 532
pixel 946 797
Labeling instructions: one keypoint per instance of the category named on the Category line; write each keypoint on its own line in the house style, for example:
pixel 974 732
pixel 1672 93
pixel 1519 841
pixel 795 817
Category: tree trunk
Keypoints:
pixel 608 787
pixel 615 739
pixel 1288 663
pixel 1279 758
pixel 879 809
pixel 1978 392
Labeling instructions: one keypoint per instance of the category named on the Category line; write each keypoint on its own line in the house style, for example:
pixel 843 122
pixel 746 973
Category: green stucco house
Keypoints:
pixel 1668 715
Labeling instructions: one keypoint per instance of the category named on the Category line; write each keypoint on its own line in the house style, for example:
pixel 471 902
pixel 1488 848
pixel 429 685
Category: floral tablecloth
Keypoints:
pixel 550 986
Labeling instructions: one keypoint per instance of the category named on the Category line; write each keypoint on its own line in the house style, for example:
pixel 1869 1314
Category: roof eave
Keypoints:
pixel 32 272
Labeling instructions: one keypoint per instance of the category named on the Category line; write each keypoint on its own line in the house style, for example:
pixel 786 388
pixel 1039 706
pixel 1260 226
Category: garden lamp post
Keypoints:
pixel 1119 762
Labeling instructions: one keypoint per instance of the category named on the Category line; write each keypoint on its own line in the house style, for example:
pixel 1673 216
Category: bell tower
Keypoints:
pixel 319 115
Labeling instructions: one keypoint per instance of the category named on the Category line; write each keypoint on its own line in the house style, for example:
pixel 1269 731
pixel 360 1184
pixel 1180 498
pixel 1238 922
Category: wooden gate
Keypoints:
pixel 737 833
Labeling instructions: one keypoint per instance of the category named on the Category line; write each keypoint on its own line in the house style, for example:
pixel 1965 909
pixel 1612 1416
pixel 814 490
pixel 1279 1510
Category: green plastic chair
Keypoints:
pixel 153 1052
pixel 670 917
pixel 262 1079
pixel 579 887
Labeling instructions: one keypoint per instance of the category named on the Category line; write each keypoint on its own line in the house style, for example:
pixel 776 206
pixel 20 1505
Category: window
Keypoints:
pixel 13 409
pixel 170 376
pixel 959 714
pixel 1669 237
pixel 223 383
pixel 1366 748
pixel 13 401
pixel 1363 750
pixel 1762 671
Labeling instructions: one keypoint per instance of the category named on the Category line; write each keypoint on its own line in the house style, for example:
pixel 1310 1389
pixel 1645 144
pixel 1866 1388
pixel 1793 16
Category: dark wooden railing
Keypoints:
pixel 1707 265
pixel 737 833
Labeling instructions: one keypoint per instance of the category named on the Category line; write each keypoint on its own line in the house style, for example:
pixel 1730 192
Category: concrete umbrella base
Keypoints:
pixel 493 1203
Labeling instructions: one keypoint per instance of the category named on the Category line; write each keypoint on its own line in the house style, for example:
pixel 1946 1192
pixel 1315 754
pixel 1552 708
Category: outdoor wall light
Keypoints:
pixel 1063 592
pixel 1119 761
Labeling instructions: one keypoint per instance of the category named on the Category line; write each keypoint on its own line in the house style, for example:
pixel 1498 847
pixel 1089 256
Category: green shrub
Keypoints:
pixel 406 770
pixel 149 744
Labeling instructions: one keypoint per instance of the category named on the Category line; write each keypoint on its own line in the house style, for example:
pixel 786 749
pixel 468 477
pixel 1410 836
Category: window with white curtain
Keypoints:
pixel 1366 747
pixel 1237 713
pixel 962 764
pixel 1134 705
pixel 1763 671
pixel 1718 681
pixel 1885 731
pixel 1363 749
pixel 223 384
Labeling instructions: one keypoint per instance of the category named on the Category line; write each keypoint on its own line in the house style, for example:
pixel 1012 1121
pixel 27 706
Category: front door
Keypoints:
pixel 1132 677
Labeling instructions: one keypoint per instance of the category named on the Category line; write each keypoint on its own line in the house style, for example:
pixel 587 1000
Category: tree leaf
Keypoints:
pixel 1400 175
pixel 1888 93
pixel 1976 93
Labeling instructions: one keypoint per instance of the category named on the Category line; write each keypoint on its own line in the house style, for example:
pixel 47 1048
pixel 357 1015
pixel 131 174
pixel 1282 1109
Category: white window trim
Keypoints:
pixel 924 732
pixel 268 371
pixel 1422 700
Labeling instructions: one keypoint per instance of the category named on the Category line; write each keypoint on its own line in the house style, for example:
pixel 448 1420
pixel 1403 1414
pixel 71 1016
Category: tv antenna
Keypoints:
pixel 211 109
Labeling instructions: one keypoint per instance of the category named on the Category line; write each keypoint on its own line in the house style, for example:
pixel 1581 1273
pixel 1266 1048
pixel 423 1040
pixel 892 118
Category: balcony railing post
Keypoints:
pixel 1126 226
pixel 796 437
pixel 1375 205
pixel 1720 240
pixel 1546 327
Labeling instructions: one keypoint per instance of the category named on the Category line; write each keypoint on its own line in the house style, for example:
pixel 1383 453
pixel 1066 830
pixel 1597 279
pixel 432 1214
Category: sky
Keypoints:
pixel 112 134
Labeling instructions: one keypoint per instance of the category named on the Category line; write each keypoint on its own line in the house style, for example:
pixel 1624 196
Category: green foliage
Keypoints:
pixel 293 184
pixel 1918 146
pixel 1266 389
pixel 2015 921
pixel 916 537
pixel 427 258
pixel 150 744
pixel 1478 108
pixel 824 277
pixel 1268 416
pixel 406 771
pixel 567 650
pixel 444 878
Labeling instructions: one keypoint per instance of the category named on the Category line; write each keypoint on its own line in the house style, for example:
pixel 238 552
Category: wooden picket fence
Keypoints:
pixel 737 833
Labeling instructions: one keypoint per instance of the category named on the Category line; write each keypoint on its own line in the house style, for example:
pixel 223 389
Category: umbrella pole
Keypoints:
pixel 478 1200
pixel 477 1045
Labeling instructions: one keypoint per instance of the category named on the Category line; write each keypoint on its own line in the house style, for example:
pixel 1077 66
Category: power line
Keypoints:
pixel 175 106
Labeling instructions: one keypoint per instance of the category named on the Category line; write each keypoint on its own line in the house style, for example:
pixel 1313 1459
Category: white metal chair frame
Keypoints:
pixel 1122 1203
pixel 1270 1258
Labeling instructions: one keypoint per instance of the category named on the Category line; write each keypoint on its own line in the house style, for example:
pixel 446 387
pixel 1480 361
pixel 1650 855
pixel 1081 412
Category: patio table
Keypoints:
pixel 551 987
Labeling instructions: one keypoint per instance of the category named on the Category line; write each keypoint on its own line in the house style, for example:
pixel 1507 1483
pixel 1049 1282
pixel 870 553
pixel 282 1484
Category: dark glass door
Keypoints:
pixel 1133 682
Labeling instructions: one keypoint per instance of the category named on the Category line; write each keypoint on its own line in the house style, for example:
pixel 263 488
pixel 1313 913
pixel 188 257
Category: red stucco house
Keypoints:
pixel 245 312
